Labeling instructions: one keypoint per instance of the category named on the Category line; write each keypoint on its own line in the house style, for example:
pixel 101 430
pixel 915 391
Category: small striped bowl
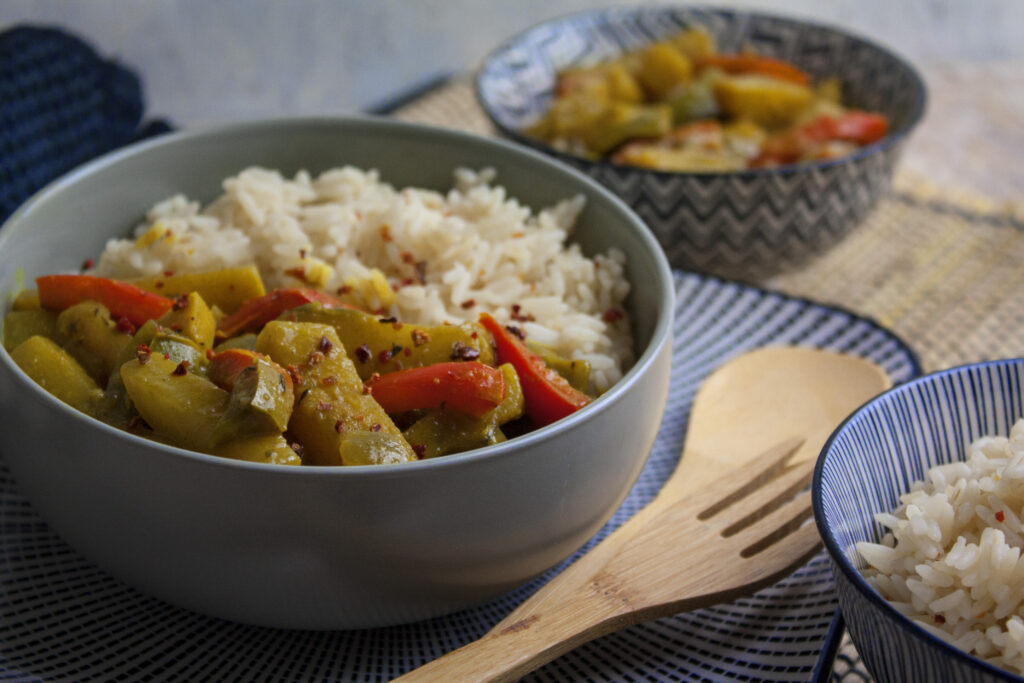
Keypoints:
pixel 868 462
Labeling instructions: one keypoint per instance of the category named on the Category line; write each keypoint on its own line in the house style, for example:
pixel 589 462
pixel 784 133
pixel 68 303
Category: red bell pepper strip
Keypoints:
pixel 756 64
pixel 255 313
pixel 861 127
pixel 854 126
pixel 225 366
pixel 57 292
pixel 548 396
pixel 468 387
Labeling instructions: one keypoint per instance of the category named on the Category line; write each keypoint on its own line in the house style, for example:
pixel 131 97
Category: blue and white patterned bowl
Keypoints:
pixel 744 224
pixel 873 458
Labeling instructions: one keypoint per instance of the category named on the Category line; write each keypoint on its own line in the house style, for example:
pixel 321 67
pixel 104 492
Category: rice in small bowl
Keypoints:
pixel 919 497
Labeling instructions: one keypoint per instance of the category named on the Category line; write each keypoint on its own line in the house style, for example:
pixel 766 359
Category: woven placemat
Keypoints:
pixel 938 266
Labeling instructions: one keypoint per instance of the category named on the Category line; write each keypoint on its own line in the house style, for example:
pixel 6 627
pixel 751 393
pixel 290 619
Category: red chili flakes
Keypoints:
pixel 517 314
pixel 461 351
pixel 159 284
pixel 397 325
pixel 294 374
pixel 345 289
pixel 421 271
pixel 612 315
pixel 181 368
pixel 298 273
pixel 315 358
pixel 468 303
pixel 515 331
pixel 325 344
pixel 180 303
pixel 407 351
pixel 324 406
pixel 408 257
pixel 385 233
pixel 1000 516
pixel 143 354
pixel 168 273
pixel 363 353
pixel 210 353
pixel 125 325
pixel 420 337
pixel 384 356
pixel 87 264
pixel 302 253
pixel 939 619
pixel 375 427
pixel 339 427
pixel 420 450
pixel 329 380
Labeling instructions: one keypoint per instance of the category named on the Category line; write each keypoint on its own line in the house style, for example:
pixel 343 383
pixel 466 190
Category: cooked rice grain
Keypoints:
pixel 421 256
pixel 951 560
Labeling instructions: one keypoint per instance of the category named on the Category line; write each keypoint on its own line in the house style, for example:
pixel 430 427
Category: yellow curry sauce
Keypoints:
pixel 212 362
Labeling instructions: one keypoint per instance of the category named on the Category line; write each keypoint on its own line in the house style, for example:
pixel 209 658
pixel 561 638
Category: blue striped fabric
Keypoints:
pixel 60 617
pixel 875 457
pixel 61 104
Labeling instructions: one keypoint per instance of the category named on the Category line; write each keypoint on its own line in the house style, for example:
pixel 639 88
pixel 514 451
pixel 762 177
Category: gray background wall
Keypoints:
pixel 210 60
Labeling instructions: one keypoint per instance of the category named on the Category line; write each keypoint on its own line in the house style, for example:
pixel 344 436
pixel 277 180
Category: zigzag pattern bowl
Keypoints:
pixel 742 225
pixel 868 462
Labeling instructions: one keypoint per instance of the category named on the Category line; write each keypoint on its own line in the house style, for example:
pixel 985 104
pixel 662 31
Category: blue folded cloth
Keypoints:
pixel 61 104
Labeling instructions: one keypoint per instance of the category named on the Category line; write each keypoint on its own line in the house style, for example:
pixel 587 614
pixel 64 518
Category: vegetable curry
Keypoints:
pixel 681 105
pixel 214 363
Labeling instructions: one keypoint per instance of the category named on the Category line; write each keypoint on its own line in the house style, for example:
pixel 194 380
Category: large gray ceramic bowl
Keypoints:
pixel 329 547
pixel 739 224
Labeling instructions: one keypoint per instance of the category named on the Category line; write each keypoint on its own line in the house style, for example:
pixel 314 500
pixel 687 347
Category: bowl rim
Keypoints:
pixel 891 139
pixel 661 278
pixel 842 562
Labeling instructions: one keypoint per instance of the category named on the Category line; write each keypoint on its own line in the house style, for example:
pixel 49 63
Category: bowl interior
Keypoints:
pixel 515 83
pixel 73 218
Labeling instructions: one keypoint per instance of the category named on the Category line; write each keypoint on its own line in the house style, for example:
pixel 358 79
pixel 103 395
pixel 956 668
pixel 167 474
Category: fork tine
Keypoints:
pixel 756 473
pixel 774 526
pixel 771 495
pixel 799 545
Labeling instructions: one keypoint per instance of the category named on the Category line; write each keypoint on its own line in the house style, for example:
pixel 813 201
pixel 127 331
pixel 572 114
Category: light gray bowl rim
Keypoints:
pixel 891 138
pixel 660 334
pixel 842 562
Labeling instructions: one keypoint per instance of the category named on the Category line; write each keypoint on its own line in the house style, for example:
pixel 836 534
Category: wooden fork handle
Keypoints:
pixel 513 650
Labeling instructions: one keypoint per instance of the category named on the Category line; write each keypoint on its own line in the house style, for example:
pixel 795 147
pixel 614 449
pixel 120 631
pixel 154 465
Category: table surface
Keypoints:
pixel 972 137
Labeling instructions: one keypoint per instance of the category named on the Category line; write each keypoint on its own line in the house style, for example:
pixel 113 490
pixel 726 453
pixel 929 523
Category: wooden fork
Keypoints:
pixel 743 531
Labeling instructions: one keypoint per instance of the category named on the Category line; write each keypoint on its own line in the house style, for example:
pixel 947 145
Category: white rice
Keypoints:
pixel 444 257
pixel 952 558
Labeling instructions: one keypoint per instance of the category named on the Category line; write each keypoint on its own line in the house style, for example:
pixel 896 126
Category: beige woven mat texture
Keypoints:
pixel 939 267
